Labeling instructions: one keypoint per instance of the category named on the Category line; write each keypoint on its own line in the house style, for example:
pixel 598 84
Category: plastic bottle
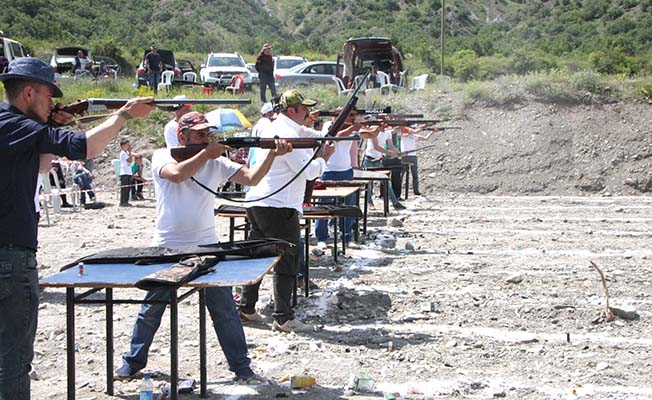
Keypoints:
pixel 147 388
pixel 81 268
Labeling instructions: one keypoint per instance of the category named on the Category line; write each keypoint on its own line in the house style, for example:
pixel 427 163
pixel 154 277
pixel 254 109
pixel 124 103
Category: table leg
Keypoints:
pixel 386 198
pixel 366 208
pixel 202 344
pixel 70 341
pixel 335 238
pixel 357 220
pixel 174 344
pixel 306 255
pixel 109 340
pixel 407 181
pixel 231 228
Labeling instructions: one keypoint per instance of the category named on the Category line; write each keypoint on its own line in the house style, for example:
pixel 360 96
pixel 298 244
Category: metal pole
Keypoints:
pixel 441 49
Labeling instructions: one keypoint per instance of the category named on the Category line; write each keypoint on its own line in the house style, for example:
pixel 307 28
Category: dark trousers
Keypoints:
pixel 395 174
pixel 125 188
pixel 19 298
pixel 266 80
pixel 279 223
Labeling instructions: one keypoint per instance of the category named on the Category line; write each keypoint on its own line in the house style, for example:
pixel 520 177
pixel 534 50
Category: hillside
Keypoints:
pixel 611 36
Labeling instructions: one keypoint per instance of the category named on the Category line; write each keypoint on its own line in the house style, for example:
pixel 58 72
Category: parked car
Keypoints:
pixel 63 58
pixel 108 61
pixel 253 72
pixel 185 66
pixel 10 49
pixel 169 64
pixel 219 69
pixel 360 53
pixel 287 62
pixel 308 73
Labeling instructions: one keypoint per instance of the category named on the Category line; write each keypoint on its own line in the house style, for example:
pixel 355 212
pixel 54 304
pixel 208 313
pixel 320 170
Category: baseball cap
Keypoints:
pixel 32 69
pixel 267 107
pixel 267 46
pixel 194 120
pixel 293 97
pixel 180 105
pixel 153 46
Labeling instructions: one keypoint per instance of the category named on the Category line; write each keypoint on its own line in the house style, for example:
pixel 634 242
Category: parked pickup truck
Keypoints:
pixel 9 49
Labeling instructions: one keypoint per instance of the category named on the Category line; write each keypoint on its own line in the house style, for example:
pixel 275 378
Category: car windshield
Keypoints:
pixel 286 64
pixel 225 62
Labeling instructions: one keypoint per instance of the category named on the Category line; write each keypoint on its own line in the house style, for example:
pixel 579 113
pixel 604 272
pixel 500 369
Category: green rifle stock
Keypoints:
pixel 183 153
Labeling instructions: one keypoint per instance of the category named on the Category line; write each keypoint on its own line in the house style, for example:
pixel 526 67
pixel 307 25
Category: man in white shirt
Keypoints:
pixel 184 217
pixel 170 130
pixel 276 215
pixel 266 114
pixel 409 138
pixel 125 172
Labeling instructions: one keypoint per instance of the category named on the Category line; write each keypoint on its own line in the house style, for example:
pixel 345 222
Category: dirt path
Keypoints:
pixel 439 321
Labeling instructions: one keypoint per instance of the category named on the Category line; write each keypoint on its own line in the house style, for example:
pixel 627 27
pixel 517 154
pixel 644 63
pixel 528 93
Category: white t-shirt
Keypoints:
pixel 170 134
pixel 408 144
pixel 382 138
pixel 260 126
pixel 125 166
pixel 341 158
pixel 283 169
pixel 185 211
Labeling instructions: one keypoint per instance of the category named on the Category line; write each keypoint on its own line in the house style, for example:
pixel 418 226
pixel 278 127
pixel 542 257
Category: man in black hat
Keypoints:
pixel 25 137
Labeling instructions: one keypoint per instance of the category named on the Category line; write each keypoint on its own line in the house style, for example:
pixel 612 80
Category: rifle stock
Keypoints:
pixel 183 153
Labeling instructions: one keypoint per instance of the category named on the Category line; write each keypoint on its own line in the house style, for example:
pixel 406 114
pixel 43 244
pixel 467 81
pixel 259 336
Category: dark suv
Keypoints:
pixel 359 53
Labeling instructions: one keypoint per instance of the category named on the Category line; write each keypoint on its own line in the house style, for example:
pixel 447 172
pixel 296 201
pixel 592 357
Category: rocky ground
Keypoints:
pixel 486 293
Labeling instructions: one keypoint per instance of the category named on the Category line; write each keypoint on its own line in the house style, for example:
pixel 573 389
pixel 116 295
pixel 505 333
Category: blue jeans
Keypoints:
pixel 368 162
pixel 153 79
pixel 226 322
pixel 19 298
pixel 345 224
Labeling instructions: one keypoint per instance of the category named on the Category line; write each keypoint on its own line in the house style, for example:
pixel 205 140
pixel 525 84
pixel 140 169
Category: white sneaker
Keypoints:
pixel 293 325
pixel 255 317
pixel 322 245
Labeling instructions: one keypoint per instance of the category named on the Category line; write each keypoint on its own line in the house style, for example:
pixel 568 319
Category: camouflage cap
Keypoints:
pixel 293 98
pixel 193 120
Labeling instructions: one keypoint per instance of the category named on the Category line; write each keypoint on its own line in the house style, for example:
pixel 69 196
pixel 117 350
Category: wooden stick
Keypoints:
pixel 608 314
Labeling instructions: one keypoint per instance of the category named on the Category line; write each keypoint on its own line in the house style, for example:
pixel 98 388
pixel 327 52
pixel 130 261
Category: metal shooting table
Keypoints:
pixel 98 277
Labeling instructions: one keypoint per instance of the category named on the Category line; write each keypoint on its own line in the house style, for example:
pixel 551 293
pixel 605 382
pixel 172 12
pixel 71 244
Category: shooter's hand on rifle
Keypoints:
pixel 216 149
pixel 59 117
pixel 137 107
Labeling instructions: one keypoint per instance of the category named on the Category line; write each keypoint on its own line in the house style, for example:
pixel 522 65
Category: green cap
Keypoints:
pixel 294 97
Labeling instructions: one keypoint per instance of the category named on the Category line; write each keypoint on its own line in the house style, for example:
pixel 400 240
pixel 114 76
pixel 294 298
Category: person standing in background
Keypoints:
pixel 154 66
pixel 265 68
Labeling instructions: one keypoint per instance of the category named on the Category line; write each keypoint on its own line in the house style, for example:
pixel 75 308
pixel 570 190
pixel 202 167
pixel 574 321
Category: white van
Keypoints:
pixel 9 49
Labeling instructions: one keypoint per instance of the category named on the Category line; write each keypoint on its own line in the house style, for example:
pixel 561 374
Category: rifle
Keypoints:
pixel 376 113
pixel 182 153
pixel 82 106
pixel 400 122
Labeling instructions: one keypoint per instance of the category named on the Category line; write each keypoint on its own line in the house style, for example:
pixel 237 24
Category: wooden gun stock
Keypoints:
pixel 80 107
pixel 183 153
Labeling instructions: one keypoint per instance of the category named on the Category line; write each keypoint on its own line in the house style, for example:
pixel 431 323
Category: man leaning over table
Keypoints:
pixel 184 217
pixel 24 136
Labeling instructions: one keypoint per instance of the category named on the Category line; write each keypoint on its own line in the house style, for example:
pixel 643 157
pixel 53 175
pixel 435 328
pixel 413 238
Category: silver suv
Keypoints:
pixel 219 69
pixel 9 49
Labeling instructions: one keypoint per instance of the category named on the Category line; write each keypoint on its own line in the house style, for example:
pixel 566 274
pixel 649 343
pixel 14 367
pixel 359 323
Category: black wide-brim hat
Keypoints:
pixel 32 69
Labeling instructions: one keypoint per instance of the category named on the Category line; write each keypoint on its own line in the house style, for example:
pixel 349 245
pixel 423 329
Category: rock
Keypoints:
pixel 628 314
pixel 500 394
pixel 317 251
pixel 409 246
pixel 514 279
pixel 33 375
pixel 386 241
pixel 601 366
pixel 395 223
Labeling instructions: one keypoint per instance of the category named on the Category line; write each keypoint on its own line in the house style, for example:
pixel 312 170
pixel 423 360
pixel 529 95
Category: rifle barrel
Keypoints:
pixel 105 104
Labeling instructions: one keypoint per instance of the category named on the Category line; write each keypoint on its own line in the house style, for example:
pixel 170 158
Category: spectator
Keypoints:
pixel 153 66
pixel 265 68
pixel 170 130
pixel 395 75
pixel 375 81
pixel 104 72
pixel 84 179
pixel 125 172
pixel 82 64
pixel 57 171
pixel 137 178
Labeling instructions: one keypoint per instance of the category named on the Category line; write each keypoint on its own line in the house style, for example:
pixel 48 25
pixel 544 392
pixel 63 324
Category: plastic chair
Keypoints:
pixel 46 195
pixel 236 86
pixel 166 80
pixel 190 77
pixel 401 83
pixel 73 192
pixel 385 85
pixel 148 175
pixel 341 90
pixel 418 82
pixel 116 167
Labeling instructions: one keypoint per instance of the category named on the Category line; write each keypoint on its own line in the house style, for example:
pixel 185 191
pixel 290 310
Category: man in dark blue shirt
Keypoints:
pixel 25 136
pixel 154 66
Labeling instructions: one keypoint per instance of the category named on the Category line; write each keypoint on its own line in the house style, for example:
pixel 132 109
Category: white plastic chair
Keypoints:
pixel 385 85
pixel 341 90
pixel 73 192
pixel 190 77
pixel 116 167
pixel 166 80
pixel 44 197
pixel 148 175
pixel 401 82
pixel 419 82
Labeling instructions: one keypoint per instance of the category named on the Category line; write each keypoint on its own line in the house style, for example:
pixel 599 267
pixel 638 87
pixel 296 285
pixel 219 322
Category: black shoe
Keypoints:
pixel 125 205
pixel 66 205
pixel 125 373
pixel 399 206
pixel 417 193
